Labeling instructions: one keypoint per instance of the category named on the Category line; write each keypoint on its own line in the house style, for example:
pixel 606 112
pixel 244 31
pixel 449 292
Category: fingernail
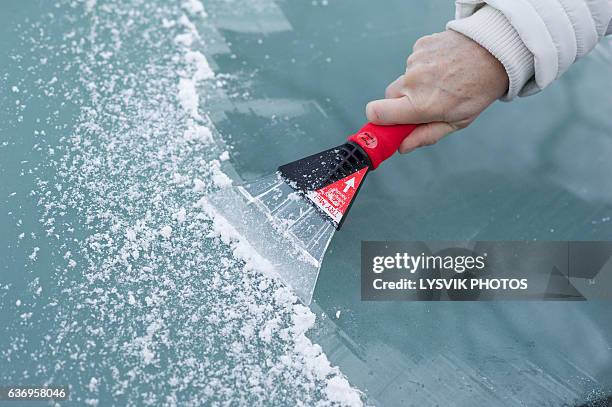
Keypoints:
pixel 372 113
pixel 368 111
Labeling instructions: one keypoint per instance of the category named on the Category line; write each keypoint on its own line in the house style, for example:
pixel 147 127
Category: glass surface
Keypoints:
pixel 536 168
pixel 292 79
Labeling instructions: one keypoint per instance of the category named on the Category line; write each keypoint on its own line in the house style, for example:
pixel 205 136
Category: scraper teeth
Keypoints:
pixel 290 244
pixel 315 237
pixel 271 190
pixel 291 216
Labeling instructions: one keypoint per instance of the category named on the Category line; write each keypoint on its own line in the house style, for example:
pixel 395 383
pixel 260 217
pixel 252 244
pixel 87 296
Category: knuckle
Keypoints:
pixel 418 44
pixel 427 141
pixel 388 91
pixel 422 74
pixel 461 124
pixel 430 140
pixel 422 42
pixel 415 71
pixel 412 59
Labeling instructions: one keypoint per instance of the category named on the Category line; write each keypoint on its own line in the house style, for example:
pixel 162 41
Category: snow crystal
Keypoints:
pixel 303 319
pixel 203 70
pixel 166 231
pixel 221 179
pixel 34 255
pixel 168 23
pixel 147 355
pixel 93 384
pixel 198 185
pixel 194 7
pixel 340 391
pixel 181 215
pixel 184 39
pixel 89 5
pixel 130 234
pixel 188 97
pixel 197 133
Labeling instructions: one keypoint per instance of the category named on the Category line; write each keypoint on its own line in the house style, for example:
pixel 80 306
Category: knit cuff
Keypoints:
pixel 492 30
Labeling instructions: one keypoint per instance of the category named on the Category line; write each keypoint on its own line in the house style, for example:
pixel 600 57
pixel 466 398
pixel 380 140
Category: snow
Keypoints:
pixel 221 179
pixel 339 390
pixel 155 290
pixel 303 319
pixel 198 133
pixel 147 355
pixel 166 231
pixel 34 255
pixel 200 63
pixel 194 7
pixel 130 234
pixel 93 384
pixel 294 196
pixel 241 248
pixel 168 23
pixel 181 215
pixel 89 5
pixel 198 185
pixel 184 39
pixel 188 97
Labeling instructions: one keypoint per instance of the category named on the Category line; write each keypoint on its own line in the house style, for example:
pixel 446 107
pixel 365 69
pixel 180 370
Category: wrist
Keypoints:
pixel 492 30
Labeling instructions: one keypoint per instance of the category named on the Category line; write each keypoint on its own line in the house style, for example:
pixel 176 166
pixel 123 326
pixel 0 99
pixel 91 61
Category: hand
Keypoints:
pixel 449 81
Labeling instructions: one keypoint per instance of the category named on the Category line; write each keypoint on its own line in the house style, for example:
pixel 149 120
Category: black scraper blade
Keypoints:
pixel 330 180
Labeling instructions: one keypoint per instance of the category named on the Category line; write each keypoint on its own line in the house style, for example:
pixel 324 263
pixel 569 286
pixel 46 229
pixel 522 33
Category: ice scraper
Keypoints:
pixel 290 217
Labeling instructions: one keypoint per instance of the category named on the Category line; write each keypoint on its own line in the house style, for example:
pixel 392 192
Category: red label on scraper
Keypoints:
pixel 334 199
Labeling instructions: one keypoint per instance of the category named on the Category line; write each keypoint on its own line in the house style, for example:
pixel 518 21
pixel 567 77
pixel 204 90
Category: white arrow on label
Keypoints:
pixel 349 184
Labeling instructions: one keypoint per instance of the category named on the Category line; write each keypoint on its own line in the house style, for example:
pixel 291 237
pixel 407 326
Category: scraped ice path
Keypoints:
pixel 155 303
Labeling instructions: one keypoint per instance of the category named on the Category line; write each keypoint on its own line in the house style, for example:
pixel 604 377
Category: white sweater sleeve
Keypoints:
pixel 535 40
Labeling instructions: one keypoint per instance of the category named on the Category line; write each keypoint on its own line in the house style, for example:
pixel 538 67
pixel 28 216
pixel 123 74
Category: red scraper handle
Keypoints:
pixel 380 142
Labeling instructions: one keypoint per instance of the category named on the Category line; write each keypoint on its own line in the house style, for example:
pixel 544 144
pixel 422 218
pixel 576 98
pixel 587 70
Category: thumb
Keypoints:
pixel 425 135
pixel 400 110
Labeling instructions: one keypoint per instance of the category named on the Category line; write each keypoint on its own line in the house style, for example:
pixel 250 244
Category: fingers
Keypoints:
pixel 394 90
pixel 401 110
pixel 425 135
